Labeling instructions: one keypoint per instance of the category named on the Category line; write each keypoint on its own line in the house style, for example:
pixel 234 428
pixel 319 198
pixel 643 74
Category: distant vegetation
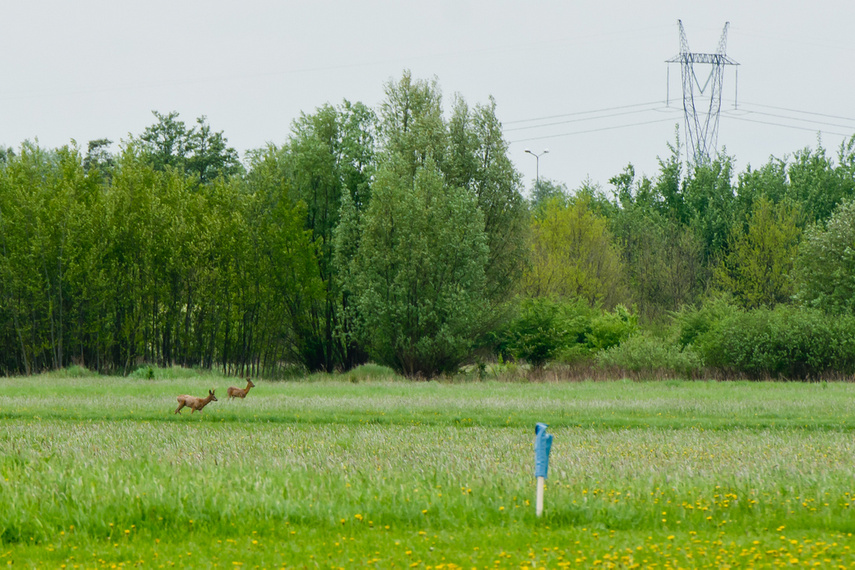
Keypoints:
pixel 401 236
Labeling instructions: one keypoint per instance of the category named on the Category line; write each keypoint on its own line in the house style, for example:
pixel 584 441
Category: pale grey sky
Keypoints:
pixel 596 71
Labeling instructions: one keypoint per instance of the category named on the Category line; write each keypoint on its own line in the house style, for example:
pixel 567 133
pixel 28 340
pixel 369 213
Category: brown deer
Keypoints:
pixel 194 402
pixel 237 392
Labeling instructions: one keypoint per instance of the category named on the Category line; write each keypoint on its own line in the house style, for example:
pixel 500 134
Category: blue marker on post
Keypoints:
pixel 542 447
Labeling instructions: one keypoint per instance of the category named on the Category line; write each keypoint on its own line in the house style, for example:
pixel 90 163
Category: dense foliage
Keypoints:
pixel 400 234
pixel 784 342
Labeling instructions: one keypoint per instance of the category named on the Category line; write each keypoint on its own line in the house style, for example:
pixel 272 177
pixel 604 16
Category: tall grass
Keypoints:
pixel 440 469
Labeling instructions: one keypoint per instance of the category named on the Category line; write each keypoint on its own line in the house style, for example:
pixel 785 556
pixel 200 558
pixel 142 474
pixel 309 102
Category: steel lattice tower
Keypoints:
pixel 702 127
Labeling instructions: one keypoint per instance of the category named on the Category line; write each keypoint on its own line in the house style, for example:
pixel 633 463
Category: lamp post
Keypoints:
pixel 537 167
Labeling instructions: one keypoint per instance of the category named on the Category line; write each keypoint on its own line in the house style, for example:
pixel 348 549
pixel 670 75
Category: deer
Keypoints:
pixel 194 402
pixel 237 392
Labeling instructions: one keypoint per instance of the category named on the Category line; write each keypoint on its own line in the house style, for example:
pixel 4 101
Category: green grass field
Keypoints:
pixel 99 472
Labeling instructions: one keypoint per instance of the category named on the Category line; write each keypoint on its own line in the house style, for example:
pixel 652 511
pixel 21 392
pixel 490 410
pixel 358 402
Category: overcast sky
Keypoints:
pixel 587 80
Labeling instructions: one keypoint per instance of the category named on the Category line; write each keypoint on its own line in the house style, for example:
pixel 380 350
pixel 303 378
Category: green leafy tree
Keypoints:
pixel 450 189
pixel 279 274
pixel 411 128
pixel 420 273
pixel 663 251
pixel 769 182
pixel 477 160
pixel 197 151
pixel 825 264
pixel 166 143
pixel 756 268
pixel 43 199
pixel 210 157
pixel 98 159
pixel 330 155
pixel 817 185
pixel 710 204
pixel 574 255
pixel 544 192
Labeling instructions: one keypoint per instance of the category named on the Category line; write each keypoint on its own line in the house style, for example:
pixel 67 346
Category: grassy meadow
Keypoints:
pixel 373 471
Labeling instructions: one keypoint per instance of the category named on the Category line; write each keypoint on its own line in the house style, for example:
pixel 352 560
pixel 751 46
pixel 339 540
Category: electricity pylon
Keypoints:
pixel 702 127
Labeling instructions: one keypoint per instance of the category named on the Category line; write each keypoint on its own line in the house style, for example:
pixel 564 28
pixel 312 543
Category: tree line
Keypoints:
pixel 399 234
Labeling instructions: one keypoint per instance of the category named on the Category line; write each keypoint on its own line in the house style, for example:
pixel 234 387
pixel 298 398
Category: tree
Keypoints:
pixel 544 328
pixel 710 204
pixel 330 156
pixel 6 154
pixel 411 129
pixel 478 161
pixel 98 159
pixel 574 255
pixel 280 276
pixel 166 143
pixel 769 181
pixel 420 273
pixel 825 264
pixel 817 185
pixel 544 192
pixel 210 157
pixel 662 251
pixel 196 151
pixel 45 206
pixel 442 240
pixel 756 268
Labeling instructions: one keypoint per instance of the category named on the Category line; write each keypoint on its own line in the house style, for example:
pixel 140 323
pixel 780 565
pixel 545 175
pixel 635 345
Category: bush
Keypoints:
pixel 566 331
pixel 825 264
pixel 785 342
pixel 370 371
pixel 610 329
pixel 74 371
pixel 692 321
pixel 544 329
pixel 154 372
pixel 641 353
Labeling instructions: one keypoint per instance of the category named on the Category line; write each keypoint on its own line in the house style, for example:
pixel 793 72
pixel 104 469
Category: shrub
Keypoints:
pixel 785 342
pixel 371 371
pixel 825 266
pixel 566 331
pixel 692 321
pixel 641 353
pixel 154 372
pixel 545 328
pixel 74 371
pixel 610 329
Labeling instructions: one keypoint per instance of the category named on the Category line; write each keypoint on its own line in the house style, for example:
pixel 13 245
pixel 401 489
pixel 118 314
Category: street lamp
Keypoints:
pixel 537 166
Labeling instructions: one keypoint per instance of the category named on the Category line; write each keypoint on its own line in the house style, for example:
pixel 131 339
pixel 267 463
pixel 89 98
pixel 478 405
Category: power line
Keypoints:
pixel 592 130
pixel 800 112
pixel 730 114
pixel 580 120
pixel 737 118
pixel 582 113
pixel 790 118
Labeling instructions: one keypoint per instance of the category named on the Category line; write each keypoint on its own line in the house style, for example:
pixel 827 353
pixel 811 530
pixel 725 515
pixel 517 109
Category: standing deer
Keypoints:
pixel 194 402
pixel 237 392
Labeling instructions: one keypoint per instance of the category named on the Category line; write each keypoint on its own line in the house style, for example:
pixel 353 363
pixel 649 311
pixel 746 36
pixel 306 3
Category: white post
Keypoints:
pixel 539 503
